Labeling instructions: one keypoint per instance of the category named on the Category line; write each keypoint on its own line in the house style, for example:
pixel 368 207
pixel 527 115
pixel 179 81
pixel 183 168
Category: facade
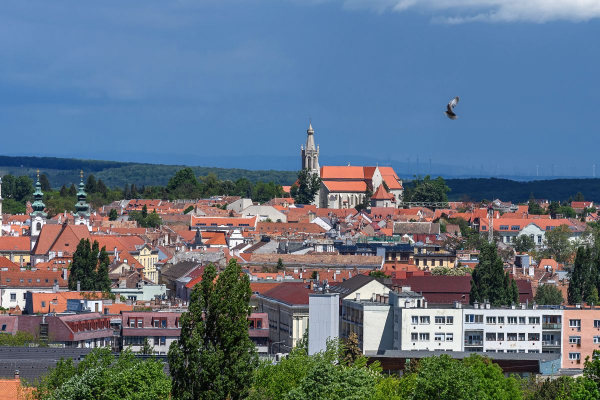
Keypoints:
pixel 38 216
pixel 372 320
pixel 581 336
pixel 431 256
pixel 287 307
pixel 158 327
pixel 148 257
pixel 89 330
pixel 324 324
pixel 419 327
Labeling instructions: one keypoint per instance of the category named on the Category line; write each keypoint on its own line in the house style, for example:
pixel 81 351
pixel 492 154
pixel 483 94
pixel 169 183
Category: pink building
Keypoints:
pixel 581 336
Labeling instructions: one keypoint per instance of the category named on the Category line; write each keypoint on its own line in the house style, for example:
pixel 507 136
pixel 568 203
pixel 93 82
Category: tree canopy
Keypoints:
pixel 490 282
pixel 306 188
pixel 90 267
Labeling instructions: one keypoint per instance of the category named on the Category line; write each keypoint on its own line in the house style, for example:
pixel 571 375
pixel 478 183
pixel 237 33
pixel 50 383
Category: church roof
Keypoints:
pixel 331 172
pixel 348 186
pixel 381 194
pixel 64 238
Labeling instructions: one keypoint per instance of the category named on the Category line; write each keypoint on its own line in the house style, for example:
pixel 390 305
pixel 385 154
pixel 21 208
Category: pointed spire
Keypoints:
pixel 310 128
pixel 38 196
pixel 82 207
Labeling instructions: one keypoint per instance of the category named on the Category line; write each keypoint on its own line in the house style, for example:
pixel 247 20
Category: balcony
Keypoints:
pixel 551 326
pixel 551 343
pixel 474 342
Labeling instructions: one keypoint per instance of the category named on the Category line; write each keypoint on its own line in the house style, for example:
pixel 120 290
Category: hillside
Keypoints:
pixel 507 190
pixel 116 174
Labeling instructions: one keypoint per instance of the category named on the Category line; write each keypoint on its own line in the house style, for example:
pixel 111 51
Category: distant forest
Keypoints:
pixel 115 174
pixel 65 171
pixel 478 189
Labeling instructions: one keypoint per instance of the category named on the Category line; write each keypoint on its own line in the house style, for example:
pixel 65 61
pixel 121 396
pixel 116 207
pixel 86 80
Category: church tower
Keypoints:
pixel 310 153
pixel 82 208
pixel 38 216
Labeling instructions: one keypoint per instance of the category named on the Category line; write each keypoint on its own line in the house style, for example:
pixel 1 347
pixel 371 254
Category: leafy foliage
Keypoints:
pixel 548 295
pixel 100 375
pixel 306 187
pixel 214 357
pixel 490 282
pixel 90 267
pixel 458 271
pixel 557 244
pixel 427 190
pixel 524 244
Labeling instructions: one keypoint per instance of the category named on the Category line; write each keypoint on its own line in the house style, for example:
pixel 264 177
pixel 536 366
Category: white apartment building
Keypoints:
pixel 502 330
pixel 418 327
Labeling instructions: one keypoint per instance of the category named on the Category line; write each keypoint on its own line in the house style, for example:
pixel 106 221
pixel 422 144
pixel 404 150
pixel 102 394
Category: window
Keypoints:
pixel 500 336
pixel 3 327
pixel 574 356
pixel 597 323
pixel 522 337
pixel 534 320
pixel 533 337
pixel 522 320
pixel 515 228
pixel 596 339
pixel 522 351
pixel 132 322
pixel 440 320
pixel 574 323
pixel 7 280
pixel 396 318
pixel 512 320
pixel 503 227
pixel 449 337
pixel 533 351
pixel 574 339
pixel 511 351
pixel 414 337
pixel 500 320
pixel 473 319
pixel 414 320
pixel 43 304
pixel 163 323
pixel 140 322
pixel 424 320
pixel 155 323
pixel 449 320
pixel 539 239
pixel 424 337
pixel 511 337
pixel 13 297
pixel 439 337
pixel 490 320
pixel 490 336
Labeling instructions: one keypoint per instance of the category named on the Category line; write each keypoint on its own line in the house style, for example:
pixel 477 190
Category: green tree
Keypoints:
pixel 89 267
pixel 548 295
pixel 428 190
pixel 72 190
pixel 306 187
pixel 280 265
pixel 144 211
pixel 489 282
pixel 187 210
pixel 580 276
pixel 113 215
pixel 101 188
pixel 184 184
pixel 351 349
pixel 146 347
pixel 558 245
pixel 91 185
pixel 24 188
pixel 64 192
pixel 45 183
pixel 378 274
pixel 214 357
pixel 534 208
pixel 524 244
pixel 101 375
pixel 579 197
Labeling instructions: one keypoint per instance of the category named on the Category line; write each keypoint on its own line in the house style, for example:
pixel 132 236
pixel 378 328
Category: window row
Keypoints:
pixel 426 320
pixel 425 337
pixel 511 337
pixel 478 319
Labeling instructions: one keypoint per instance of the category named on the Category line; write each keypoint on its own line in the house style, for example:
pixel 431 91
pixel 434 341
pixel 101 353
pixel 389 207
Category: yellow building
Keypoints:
pixel 148 258
pixel 16 249
pixel 427 256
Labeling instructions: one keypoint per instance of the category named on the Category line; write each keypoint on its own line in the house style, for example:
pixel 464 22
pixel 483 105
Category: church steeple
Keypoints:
pixel 38 216
pixel 38 196
pixel 310 153
pixel 82 208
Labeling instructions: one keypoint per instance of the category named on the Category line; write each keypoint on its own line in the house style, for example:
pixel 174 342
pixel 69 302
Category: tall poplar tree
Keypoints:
pixel 214 357
pixel 490 282
pixel 89 267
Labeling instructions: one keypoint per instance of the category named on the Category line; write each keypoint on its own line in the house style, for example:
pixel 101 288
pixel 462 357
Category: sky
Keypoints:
pixel 235 82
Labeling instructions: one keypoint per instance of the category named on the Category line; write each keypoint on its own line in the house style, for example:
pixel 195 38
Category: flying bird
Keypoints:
pixel 451 106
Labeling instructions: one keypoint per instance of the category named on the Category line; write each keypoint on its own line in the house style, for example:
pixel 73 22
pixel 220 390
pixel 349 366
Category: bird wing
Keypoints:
pixel 450 108
pixel 453 102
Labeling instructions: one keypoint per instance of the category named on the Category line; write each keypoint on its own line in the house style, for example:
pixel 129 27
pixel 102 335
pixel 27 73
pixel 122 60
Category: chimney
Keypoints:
pixel 357 296
pixel 78 286
pixel 476 305
pixel 64 274
pixel 17 376
pixel 311 285
pixel 55 288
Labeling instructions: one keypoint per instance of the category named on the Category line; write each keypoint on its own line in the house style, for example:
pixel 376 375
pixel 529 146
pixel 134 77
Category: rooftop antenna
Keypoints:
pixel 537 170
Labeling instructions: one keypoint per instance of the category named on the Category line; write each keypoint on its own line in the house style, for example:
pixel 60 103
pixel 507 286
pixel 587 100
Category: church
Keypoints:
pixel 346 186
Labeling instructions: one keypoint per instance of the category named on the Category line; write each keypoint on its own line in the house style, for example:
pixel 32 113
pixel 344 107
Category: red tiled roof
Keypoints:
pixel 345 186
pixel 60 238
pixel 381 194
pixel 15 243
pixel 349 172
pixel 292 293
pixel 392 182
pixel 6 263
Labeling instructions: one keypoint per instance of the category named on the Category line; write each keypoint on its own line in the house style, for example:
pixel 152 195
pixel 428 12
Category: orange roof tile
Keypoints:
pixel 348 172
pixel 12 243
pixel 346 186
